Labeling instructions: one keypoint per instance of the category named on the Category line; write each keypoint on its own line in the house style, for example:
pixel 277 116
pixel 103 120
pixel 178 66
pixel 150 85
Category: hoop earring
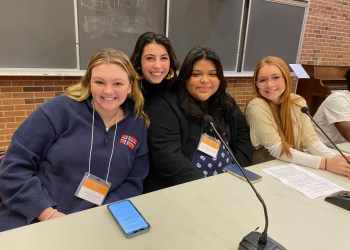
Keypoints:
pixel 170 74
pixel 139 77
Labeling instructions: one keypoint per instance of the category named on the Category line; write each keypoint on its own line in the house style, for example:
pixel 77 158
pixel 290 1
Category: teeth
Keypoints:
pixel 156 74
pixel 108 99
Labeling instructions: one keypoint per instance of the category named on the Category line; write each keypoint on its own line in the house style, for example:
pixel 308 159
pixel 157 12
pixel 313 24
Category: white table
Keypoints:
pixel 212 213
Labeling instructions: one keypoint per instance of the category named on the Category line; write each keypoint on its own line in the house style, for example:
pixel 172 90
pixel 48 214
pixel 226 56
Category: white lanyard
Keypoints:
pixel 92 142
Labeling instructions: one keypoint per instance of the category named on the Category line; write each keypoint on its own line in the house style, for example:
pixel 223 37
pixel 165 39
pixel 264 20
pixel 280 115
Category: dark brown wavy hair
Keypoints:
pixel 221 106
pixel 148 38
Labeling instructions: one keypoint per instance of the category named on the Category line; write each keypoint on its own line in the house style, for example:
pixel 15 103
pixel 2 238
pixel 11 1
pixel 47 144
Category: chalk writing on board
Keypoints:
pixel 110 4
pixel 111 17
pixel 112 25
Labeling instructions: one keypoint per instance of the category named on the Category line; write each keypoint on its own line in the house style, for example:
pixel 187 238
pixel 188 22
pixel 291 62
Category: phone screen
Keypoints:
pixel 129 218
pixel 234 169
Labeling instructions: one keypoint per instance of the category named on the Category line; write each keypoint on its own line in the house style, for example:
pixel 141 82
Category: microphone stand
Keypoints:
pixel 340 198
pixel 253 240
pixel 305 110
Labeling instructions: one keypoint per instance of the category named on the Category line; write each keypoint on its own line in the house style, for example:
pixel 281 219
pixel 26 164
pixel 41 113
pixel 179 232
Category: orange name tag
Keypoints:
pixel 93 189
pixel 209 145
pixel 97 187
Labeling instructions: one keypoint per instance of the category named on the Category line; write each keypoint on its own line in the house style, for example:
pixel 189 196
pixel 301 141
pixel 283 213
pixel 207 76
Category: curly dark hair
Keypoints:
pixel 221 106
pixel 151 37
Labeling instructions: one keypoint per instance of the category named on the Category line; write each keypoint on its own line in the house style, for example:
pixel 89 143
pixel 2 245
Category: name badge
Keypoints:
pixel 93 189
pixel 209 145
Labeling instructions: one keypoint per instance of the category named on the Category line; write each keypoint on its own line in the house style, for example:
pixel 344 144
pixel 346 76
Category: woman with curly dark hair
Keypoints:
pixel 155 62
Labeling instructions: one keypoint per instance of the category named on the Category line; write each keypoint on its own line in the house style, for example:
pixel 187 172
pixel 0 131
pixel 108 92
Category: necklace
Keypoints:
pixel 112 121
pixel 109 123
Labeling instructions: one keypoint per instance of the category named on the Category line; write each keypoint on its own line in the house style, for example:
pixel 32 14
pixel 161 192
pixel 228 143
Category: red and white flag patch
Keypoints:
pixel 129 141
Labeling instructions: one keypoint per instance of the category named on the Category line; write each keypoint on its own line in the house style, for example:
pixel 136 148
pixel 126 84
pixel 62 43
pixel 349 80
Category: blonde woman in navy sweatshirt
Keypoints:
pixel 95 133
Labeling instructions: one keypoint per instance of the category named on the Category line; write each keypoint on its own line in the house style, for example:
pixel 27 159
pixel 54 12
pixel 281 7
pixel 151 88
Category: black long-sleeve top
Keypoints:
pixel 173 140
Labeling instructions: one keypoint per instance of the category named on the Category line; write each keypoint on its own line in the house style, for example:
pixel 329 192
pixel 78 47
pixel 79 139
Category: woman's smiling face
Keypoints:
pixel 271 83
pixel 204 81
pixel 155 63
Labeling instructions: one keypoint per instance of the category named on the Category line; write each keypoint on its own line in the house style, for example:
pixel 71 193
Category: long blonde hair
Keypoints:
pixel 281 113
pixel 82 90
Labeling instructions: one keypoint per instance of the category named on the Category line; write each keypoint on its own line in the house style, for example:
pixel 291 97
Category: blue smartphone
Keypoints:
pixel 129 219
pixel 235 170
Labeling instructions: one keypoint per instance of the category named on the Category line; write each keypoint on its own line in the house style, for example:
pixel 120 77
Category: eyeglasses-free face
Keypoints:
pixel 155 63
pixel 110 87
pixel 204 81
pixel 271 83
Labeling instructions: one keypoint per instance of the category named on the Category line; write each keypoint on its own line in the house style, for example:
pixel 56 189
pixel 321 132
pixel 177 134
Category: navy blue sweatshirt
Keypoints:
pixel 49 155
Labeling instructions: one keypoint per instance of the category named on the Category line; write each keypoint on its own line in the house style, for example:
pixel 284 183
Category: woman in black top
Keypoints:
pixel 155 62
pixel 177 128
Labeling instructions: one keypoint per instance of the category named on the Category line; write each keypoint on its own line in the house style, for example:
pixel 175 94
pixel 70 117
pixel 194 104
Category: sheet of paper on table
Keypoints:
pixel 304 181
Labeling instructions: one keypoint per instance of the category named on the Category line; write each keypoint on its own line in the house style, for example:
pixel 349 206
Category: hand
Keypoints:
pixel 43 216
pixel 338 165
pixel 56 215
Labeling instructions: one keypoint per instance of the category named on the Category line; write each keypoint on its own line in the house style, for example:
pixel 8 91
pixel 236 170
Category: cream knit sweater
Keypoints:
pixel 308 151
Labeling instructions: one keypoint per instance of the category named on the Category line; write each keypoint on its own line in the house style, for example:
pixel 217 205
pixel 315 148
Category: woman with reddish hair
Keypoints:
pixel 279 129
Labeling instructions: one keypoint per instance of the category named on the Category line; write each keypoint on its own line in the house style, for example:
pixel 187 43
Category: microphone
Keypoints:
pixel 341 198
pixel 253 240
pixel 305 110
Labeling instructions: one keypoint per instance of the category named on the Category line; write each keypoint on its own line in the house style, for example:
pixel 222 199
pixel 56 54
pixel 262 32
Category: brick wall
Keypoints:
pixel 241 89
pixel 327 33
pixel 326 42
pixel 20 95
